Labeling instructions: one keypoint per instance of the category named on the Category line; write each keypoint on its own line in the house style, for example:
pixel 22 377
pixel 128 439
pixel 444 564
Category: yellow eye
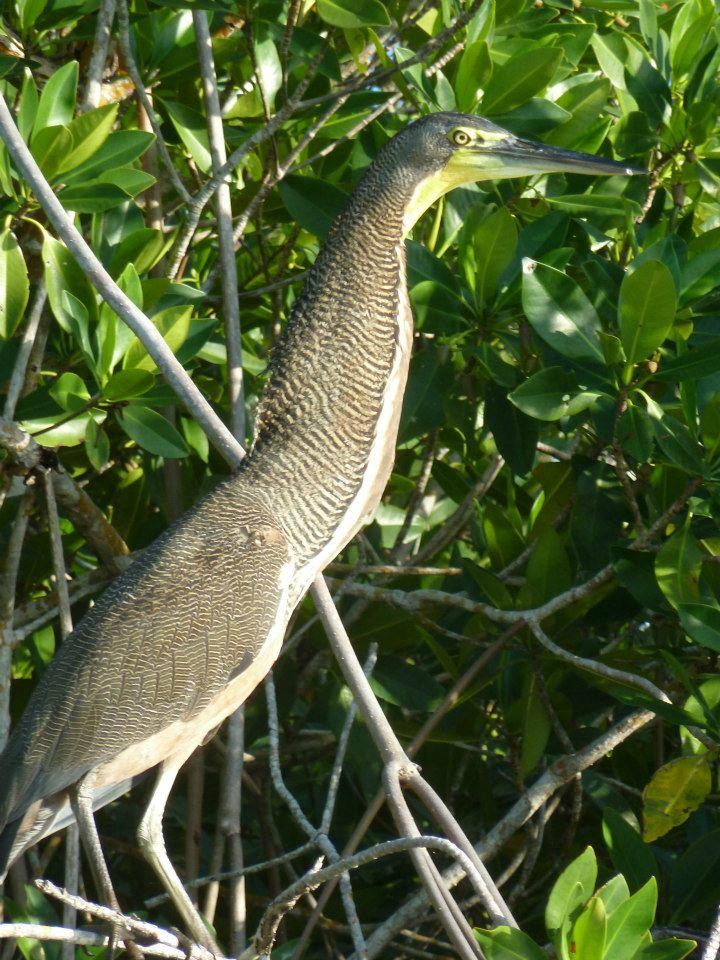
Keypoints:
pixel 461 138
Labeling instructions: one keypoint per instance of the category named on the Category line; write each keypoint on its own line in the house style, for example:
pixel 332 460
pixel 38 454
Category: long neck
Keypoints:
pixel 318 423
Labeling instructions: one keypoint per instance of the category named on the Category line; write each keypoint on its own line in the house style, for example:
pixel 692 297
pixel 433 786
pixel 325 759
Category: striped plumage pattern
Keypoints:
pixel 167 637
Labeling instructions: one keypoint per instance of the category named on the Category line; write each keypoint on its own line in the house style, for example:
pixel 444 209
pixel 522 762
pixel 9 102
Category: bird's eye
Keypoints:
pixel 461 138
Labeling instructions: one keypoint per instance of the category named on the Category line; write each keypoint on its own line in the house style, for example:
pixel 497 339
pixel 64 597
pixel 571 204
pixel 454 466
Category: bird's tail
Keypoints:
pixel 7 842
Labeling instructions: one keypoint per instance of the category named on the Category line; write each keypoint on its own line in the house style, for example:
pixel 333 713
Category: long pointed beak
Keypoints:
pixel 541 158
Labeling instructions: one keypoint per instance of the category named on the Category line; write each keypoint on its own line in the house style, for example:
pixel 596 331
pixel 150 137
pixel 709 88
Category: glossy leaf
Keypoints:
pixel 192 130
pixel 590 931
pixel 14 284
pixel 560 312
pixel 631 856
pixel 508 943
pixel 88 133
pixel 63 274
pixel 552 394
pixel 701 622
pixel 630 922
pixel 646 310
pixel 494 243
pixel 152 432
pixel 363 13
pixel 571 890
pixel 520 78
pixel 57 101
pixel 675 791
pixel 677 567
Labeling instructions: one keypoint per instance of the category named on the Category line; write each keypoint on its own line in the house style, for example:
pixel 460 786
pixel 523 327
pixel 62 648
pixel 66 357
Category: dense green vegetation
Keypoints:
pixel 561 426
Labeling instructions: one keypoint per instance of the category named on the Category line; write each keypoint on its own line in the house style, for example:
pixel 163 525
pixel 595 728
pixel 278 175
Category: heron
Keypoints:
pixel 186 633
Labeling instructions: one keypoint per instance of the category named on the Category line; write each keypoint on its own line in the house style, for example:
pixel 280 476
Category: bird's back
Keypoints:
pixel 159 645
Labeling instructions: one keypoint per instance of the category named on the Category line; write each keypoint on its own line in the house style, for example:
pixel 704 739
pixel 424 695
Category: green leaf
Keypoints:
pixel 313 203
pixel 142 249
pixel 629 923
pixel 695 878
pixel 92 197
pixel 353 14
pixel 69 391
pixel 583 101
pixel 677 443
pixel 646 309
pixel 88 133
pixel 590 931
pixel 535 729
pixel 113 337
pixel 677 567
pixel 629 853
pixel 519 78
pixel 701 622
pixel 431 376
pixel 174 324
pixel 97 445
pixel 28 106
pixel 63 274
pixel 635 433
pixel 120 148
pixel 399 682
pixel 515 434
pixel 615 891
pixel 688 34
pixel 70 433
pixel 494 243
pixel 649 89
pixel 50 147
pixel 196 438
pixel 551 394
pixel 14 284
pixel 636 572
pixel 692 365
pixel 548 571
pixel 670 949
pixel 192 129
pixel 560 312
pixel 129 180
pixel 675 791
pixel 508 943
pixel 127 384
pixel 152 432
pixel 29 11
pixel 571 890
pixel 474 71
pixel 595 203
pixel 57 100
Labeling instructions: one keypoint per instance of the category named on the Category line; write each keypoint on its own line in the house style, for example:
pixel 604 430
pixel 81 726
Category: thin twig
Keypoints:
pixel 201 198
pixel 8 584
pixel 561 772
pixel 19 373
pixel 72 834
pixel 278 908
pixel 123 16
pixel 101 45
pixel 712 946
pixel 228 272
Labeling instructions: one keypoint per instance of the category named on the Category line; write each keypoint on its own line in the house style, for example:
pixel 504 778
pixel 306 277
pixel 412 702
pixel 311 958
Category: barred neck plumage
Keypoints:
pixel 322 442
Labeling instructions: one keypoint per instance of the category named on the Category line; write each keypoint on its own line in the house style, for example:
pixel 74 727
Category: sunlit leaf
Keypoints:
pixel 675 791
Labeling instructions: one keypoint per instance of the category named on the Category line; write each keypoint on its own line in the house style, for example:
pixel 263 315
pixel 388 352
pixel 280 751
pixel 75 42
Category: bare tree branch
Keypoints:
pixel 101 45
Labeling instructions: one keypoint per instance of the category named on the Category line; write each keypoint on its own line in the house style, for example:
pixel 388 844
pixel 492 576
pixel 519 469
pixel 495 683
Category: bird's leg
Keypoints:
pixel 152 844
pixel 81 801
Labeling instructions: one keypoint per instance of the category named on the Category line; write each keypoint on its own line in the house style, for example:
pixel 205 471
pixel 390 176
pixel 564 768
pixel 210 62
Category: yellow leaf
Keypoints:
pixel 675 791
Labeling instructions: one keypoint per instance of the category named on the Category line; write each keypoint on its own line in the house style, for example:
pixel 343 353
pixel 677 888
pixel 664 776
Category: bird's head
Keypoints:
pixel 446 150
